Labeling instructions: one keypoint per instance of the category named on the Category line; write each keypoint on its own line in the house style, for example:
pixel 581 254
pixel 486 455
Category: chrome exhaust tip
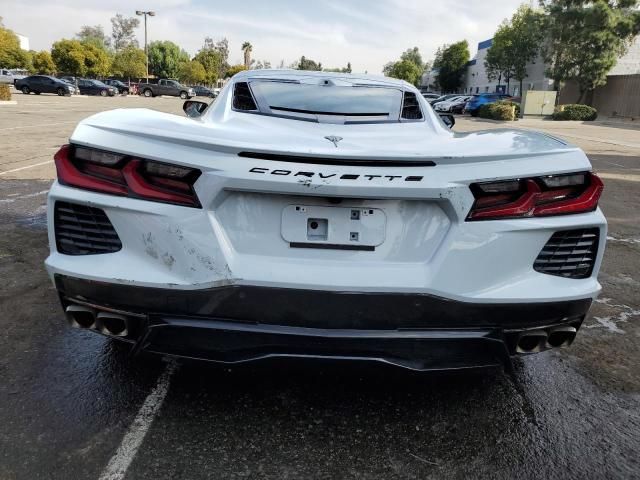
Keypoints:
pixel 112 324
pixel 532 341
pixel 81 317
pixel 560 337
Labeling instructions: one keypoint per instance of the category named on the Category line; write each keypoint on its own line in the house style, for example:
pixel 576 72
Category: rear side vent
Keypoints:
pixel 82 230
pixel 570 253
pixel 242 98
pixel 411 107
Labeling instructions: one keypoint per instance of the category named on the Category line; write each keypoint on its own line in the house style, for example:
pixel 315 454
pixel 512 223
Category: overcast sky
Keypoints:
pixel 367 33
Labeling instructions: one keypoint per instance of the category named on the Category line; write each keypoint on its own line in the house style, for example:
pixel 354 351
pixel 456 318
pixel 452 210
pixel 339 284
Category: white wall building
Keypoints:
pixel 428 81
pixel 628 64
pixel 24 41
pixel 476 80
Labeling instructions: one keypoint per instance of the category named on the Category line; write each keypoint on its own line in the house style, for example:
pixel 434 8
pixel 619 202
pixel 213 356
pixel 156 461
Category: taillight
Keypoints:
pixel 124 175
pixel 536 197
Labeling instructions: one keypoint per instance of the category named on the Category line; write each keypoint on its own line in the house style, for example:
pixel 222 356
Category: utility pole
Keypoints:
pixel 146 53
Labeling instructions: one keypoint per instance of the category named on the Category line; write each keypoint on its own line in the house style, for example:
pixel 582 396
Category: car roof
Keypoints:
pixel 297 74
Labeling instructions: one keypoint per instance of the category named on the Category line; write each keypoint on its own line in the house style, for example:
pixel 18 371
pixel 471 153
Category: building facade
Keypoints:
pixel 24 42
pixel 477 81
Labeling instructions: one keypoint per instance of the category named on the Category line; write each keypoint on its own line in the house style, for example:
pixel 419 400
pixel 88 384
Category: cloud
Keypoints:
pixel 368 34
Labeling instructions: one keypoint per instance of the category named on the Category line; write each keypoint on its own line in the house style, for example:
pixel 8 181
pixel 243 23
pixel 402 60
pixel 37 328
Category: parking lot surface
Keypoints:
pixel 73 405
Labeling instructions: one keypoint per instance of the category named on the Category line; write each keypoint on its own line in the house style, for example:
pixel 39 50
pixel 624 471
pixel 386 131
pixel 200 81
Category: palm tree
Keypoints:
pixel 247 48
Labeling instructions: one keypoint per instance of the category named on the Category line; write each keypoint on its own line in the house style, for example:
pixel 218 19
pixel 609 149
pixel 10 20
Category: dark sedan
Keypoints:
pixel 204 91
pixel 122 87
pixel 95 87
pixel 44 84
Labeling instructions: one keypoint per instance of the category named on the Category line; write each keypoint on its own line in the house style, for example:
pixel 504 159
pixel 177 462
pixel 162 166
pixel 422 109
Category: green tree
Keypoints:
pixel 526 30
pixel 515 44
pixel 192 72
pixel 129 62
pixel 408 68
pixel 231 71
pixel 586 38
pixel 165 58
pixel 247 48
pixel 68 55
pixel 262 64
pixel 451 62
pixel 43 63
pixel 346 69
pixel 94 35
pixel 213 57
pixel 80 59
pixel 97 60
pixel 413 55
pixel 308 64
pixel 11 55
pixel 123 31
pixel 404 70
pixel 211 61
pixel 496 62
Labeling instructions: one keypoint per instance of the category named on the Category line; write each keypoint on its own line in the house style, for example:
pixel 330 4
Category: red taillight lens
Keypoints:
pixel 536 197
pixel 122 175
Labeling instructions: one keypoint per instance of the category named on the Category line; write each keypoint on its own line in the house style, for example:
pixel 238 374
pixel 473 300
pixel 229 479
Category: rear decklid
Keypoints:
pixel 404 142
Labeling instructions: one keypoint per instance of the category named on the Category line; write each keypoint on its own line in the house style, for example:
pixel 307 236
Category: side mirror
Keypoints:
pixel 194 108
pixel 448 119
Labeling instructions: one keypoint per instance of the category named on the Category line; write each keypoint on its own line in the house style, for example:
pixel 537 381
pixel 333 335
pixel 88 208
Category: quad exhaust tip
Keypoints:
pixel 112 324
pixel 81 317
pixel 561 337
pixel 532 341
pixel 107 323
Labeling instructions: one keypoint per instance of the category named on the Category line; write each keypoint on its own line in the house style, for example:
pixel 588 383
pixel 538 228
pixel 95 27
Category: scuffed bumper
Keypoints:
pixel 235 324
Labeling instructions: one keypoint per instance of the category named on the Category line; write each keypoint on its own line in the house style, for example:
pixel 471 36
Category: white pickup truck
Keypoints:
pixel 11 76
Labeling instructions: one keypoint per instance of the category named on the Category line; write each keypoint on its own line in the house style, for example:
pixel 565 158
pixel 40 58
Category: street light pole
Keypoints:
pixel 146 53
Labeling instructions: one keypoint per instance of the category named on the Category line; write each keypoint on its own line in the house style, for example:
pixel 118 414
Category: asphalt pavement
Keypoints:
pixel 75 405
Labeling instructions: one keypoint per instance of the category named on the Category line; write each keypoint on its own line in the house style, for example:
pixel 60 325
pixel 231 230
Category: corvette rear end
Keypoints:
pixel 323 215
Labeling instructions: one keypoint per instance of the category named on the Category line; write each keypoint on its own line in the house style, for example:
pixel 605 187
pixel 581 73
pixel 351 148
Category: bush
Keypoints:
pixel 485 111
pixel 575 112
pixel 512 104
pixel 5 92
pixel 503 110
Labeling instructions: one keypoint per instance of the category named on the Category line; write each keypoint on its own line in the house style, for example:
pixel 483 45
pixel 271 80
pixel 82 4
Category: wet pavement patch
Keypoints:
pixel 325 420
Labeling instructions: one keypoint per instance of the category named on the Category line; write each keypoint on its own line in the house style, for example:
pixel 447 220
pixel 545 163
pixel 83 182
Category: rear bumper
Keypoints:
pixel 235 324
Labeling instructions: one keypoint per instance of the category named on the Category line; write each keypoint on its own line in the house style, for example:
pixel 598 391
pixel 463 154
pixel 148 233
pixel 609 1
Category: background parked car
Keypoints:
pixel 168 87
pixel 477 101
pixel 443 98
pixel 459 105
pixel 430 96
pixel 95 87
pixel 203 91
pixel 453 105
pixel 44 84
pixel 122 87
pixel 12 76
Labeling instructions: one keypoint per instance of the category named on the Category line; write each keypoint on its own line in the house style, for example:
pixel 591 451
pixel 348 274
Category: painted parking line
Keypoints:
pixel 37 126
pixel 119 463
pixel 25 168
pixel 28 195
pixel 585 137
pixel 630 177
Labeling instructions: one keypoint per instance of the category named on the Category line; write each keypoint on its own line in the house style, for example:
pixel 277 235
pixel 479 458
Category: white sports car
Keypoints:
pixel 312 214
